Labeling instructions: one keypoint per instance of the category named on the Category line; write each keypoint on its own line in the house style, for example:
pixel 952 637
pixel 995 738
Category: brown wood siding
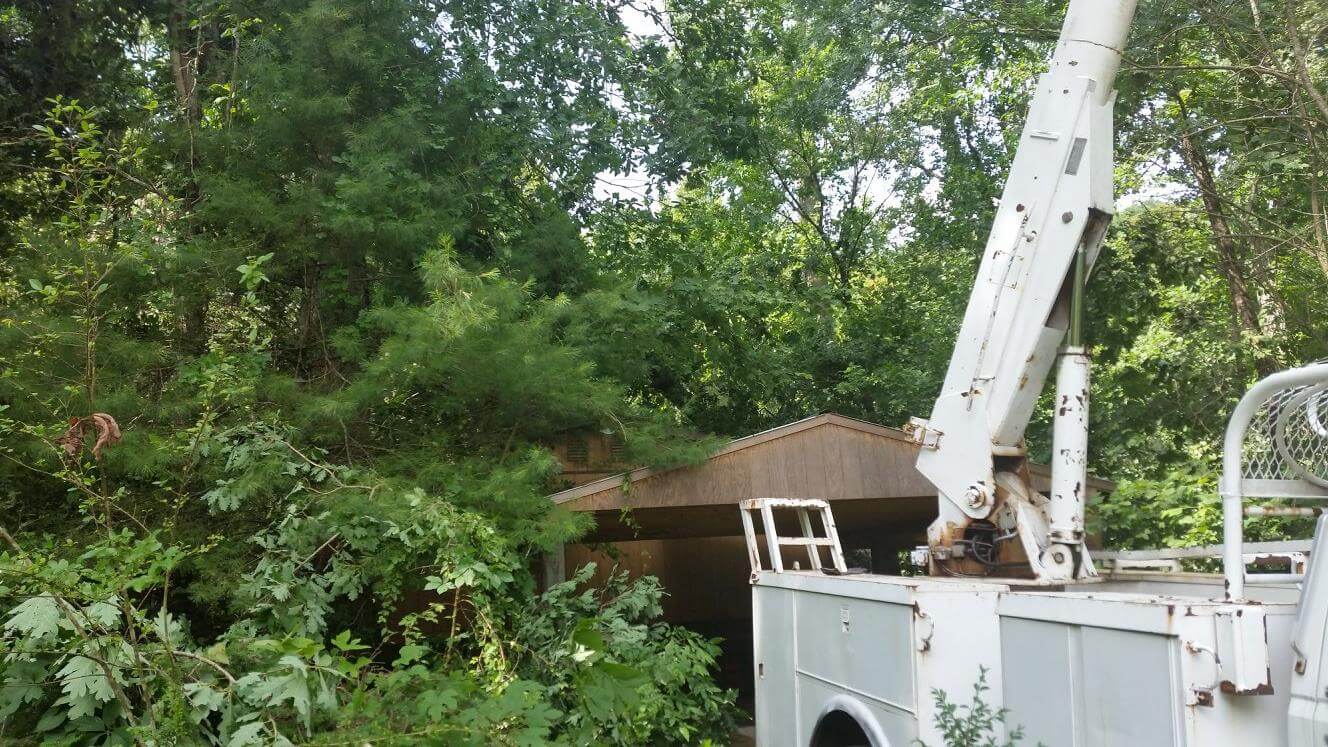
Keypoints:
pixel 586 457
pixel 826 461
pixel 721 520
pixel 828 456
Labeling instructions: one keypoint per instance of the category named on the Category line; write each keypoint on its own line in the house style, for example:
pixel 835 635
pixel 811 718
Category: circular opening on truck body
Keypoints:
pixel 846 722
pixel 838 729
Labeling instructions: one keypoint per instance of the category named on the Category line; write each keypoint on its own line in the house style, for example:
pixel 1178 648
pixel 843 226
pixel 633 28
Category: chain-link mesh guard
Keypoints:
pixel 1288 440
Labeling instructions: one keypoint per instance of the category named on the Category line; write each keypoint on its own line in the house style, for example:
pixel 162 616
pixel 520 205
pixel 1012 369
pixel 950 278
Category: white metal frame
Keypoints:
pixel 766 507
pixel 1294 552
pixel 1235 488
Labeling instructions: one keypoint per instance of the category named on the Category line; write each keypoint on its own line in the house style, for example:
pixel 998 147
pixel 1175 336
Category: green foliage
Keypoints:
pixel 95 654
pixel 1180 509
pixel 305 521
pixel 625 679
pixel 96 651
pixel 582 666
pixel 345 272
pixel 973 724
pixel 416 704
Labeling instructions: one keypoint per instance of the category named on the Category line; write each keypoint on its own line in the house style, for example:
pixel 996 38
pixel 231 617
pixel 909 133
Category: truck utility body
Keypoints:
pixel 1139 659
pixel 1083 650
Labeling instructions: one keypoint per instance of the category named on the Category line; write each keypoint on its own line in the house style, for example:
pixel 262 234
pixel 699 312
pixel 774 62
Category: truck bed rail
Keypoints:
pixel 1276 445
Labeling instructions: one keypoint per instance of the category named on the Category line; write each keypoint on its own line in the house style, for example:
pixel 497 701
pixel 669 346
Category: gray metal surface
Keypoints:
pixel 1131 688
pixel 841 642
pixel 1081 686
pixel 1095 666
pixel 776 701
pixel 1039 700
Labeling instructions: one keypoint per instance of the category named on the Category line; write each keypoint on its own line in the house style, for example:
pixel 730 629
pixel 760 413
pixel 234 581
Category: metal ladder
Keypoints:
pixel 774 543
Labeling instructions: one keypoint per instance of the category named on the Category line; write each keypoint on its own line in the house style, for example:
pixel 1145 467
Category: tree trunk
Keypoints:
pixel 183 71
pixel 1300 56
pixel 194 333
pixel 309 328
pixel 1243 303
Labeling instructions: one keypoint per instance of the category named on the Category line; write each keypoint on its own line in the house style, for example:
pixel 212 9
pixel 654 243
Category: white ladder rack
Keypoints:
pixel 766 507
pixel 1276 446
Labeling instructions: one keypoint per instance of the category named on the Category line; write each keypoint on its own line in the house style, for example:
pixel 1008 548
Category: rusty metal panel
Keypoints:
pixel 1242 650
pixel 1122 611
pixel 1231 718
pixel 956 636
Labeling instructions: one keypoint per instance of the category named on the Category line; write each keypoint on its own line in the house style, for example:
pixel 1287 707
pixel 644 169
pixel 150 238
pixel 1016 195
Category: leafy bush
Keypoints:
pixel 975 724
pixel 623 679
pixel 1180 509
pixel 96 653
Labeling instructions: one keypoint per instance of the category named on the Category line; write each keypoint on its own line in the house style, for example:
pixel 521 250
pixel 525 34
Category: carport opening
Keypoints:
pixel 838 729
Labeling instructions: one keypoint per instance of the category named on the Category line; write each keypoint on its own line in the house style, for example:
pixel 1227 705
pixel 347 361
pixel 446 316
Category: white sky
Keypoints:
pixel 634 185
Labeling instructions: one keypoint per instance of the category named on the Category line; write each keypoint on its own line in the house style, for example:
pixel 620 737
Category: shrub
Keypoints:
pixel 974 724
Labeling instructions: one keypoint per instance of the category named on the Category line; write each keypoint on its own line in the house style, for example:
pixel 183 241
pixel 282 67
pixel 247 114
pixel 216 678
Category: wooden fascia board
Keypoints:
pixel 615 482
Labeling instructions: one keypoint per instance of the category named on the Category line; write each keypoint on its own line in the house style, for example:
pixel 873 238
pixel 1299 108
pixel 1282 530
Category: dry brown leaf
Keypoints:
pixel 101 424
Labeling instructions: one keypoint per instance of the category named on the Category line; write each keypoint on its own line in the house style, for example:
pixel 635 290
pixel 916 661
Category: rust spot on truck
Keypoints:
pixel 1229 687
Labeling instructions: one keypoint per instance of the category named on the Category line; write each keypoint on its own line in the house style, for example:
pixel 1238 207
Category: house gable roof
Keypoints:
pixel 899 441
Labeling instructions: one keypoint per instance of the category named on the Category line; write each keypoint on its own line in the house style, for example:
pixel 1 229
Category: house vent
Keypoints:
pixel 578 451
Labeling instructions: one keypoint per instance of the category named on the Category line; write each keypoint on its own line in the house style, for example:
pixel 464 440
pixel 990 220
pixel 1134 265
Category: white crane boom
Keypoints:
pixel 1024 307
